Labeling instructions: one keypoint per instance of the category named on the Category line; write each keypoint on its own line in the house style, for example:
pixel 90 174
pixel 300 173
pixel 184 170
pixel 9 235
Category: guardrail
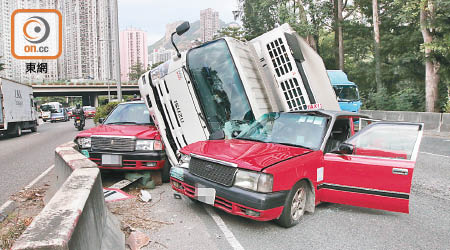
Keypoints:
pixel 76 216
pixel 439 122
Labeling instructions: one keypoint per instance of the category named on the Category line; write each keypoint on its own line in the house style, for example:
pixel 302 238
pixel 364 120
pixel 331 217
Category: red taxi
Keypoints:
pixel 89 112
pixel 288 162
pixel 126 140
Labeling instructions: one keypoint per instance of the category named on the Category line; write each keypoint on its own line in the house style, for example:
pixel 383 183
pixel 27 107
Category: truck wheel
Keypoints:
pixel 18 131
pixel 165 171
pixel 294 206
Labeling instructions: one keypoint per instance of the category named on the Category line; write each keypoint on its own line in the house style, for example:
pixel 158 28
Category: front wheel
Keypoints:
pixel 165 171
pixel 294 206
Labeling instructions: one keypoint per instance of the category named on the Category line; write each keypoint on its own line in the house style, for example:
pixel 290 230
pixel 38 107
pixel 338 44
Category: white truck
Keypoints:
pixel 17 108
pixel 226 84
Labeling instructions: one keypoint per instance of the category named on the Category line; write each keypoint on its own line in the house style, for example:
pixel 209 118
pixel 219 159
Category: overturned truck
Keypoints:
pixel 223 85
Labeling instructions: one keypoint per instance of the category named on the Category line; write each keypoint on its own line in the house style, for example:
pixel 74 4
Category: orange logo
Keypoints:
pixel 36 34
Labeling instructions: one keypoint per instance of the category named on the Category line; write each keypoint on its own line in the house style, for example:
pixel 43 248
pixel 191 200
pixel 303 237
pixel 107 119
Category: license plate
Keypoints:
pixel 111 160
pixel 205 195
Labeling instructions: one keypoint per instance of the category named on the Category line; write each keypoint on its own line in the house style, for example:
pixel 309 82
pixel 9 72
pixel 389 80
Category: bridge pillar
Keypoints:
pixel 90 100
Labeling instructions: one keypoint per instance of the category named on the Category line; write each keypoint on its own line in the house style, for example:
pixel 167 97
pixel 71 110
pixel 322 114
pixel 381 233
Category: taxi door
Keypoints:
pixel 373 168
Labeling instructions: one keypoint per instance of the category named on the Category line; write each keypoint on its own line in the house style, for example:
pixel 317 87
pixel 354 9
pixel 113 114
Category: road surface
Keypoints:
pixel 24 158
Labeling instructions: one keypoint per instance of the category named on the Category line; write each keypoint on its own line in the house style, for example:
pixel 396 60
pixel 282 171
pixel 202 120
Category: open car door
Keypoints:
pixel 373 168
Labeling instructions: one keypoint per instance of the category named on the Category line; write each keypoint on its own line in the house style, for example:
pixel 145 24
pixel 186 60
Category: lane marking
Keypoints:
pixel 39 177
pixel 229 236
pixel 435 154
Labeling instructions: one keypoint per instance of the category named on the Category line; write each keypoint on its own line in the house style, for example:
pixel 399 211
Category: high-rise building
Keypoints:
pixel 209 24
pixel 16 69
pixel 160 55
pixel 133 51
pixel 89 39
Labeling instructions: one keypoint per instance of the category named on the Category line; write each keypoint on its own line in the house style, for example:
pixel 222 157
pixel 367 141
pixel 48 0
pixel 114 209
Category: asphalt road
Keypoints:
pixel 24 158
pixel 332 226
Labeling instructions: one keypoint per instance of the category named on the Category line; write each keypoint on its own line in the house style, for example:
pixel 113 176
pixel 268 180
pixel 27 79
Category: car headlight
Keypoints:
pixel 184 160
pixel 84 142
pixel 144 145
pixel 256 181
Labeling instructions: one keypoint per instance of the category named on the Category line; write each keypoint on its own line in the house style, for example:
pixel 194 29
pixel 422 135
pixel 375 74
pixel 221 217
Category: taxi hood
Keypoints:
pixel 139 131
pixel 249 155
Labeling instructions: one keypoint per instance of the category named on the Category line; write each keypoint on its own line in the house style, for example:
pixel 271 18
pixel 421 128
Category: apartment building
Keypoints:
pixel 133 50
pixel 209 24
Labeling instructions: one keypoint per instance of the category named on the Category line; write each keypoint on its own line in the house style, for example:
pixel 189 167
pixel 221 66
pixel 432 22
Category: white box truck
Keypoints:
pixel 226 84
pixel 17 108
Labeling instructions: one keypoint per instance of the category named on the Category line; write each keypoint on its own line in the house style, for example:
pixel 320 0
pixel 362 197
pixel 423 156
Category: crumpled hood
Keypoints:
pixel 247 154
pixel 139 131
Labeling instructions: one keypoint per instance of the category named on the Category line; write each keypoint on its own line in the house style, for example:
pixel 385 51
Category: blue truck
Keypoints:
pixel 346 91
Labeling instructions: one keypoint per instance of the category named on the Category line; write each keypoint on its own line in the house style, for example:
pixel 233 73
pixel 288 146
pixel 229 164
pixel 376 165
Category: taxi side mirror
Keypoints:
pixel 235 133
pixel 346 149
pixel 101 120
pixel 218 135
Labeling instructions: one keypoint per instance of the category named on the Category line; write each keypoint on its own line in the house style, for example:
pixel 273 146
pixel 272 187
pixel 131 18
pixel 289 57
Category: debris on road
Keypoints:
pixel 114 194
pixel 176 196
pixel 123 183
pixel 137 240
pixel 145 196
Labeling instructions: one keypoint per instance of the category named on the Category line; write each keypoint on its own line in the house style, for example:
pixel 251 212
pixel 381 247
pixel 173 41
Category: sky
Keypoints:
pixel 153 15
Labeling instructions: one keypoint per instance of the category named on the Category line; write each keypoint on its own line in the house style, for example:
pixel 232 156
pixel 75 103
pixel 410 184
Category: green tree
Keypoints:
pixel 234 32
pixel 156 65
pixel 136 71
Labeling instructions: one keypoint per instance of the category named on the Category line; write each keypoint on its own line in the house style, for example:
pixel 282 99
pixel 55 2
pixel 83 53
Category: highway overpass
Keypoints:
pixel 89 91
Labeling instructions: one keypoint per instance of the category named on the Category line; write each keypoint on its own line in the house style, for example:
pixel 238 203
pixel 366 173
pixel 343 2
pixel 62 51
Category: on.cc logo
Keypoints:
pixel 36 34
pixel 37 25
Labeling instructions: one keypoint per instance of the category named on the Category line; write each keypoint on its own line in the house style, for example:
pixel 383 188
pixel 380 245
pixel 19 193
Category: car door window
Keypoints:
pixel 387 140
pixel 339 133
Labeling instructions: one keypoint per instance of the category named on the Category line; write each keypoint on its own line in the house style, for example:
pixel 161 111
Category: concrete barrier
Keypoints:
pixel 432 121
pixel 445 127
pixel 76 216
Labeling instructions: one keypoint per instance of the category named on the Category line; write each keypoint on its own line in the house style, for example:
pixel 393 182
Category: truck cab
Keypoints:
pixel 224 84
pixel 346 91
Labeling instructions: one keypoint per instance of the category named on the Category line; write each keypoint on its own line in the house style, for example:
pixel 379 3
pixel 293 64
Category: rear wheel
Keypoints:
pixel 294 206
pixel 165 171
pixel 18 131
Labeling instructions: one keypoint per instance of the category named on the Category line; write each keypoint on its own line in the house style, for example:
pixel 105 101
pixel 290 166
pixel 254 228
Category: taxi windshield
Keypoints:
pixel 131 114
pixel 293 129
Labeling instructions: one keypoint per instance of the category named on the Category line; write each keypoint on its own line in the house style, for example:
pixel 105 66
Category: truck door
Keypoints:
pixel 376 169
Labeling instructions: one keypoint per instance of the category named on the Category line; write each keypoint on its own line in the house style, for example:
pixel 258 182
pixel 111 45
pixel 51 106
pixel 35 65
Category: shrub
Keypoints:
pixel 104 110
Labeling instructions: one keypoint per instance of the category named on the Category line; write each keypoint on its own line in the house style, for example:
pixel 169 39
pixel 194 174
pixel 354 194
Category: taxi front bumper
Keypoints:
pixel 233 200
pixel 153 160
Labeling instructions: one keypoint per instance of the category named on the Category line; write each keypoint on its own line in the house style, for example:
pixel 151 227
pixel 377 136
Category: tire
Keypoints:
pixel 296 200
pixel 165 171
pixel 18 131
pixel 34 128
pixel 44 120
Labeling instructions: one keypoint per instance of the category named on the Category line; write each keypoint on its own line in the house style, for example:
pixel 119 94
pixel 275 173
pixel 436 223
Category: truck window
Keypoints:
pixel 219 88
pixel 346 93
